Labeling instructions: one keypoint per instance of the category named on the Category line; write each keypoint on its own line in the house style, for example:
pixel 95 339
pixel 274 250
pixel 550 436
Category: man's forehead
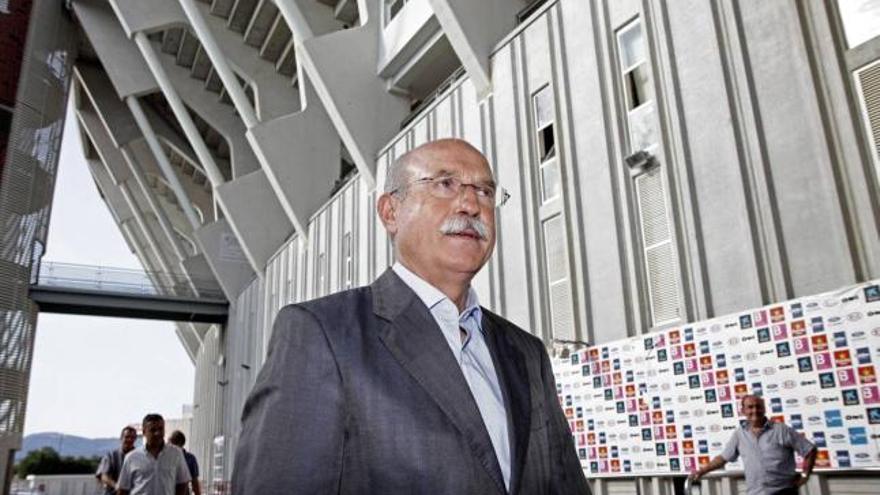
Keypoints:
pixel 452 160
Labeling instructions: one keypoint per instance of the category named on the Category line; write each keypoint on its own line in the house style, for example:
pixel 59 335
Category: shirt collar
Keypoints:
pixel 767 425
pixel 431 296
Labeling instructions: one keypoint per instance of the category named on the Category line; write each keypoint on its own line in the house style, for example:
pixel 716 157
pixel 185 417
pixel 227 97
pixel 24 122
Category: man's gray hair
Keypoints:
pixel 398 176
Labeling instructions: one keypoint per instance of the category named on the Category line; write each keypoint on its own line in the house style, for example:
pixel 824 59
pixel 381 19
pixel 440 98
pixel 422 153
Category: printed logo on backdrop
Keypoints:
pixel 669 399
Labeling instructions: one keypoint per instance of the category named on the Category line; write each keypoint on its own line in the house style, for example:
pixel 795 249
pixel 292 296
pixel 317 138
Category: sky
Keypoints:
pixel 861 19
pixel 90 375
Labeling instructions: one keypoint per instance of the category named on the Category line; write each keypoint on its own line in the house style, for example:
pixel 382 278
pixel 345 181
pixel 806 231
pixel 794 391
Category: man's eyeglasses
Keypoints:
pixel 449 187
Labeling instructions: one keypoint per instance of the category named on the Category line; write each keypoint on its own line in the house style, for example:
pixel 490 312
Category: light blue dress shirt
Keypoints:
pixel 472 356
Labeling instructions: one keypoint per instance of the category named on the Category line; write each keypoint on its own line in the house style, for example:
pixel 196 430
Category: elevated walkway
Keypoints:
pixel 101 291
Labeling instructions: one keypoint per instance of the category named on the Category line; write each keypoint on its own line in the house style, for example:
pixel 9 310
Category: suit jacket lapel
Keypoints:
pixel 513 376
pixel 416 341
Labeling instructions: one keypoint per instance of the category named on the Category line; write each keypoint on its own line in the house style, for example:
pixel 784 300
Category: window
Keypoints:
pixel 661 279
pixel 558 298
pixel 545 136
pixel 637 87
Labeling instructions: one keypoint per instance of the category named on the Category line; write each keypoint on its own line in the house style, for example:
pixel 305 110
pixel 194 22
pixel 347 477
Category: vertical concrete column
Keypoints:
pixel 221 66
pixel 179 110
pixel 167 170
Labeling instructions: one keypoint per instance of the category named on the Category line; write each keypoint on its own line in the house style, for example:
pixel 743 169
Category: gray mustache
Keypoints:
pixel 461 223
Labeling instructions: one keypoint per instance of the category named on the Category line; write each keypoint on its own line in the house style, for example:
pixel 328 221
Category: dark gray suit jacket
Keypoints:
pixel 360 394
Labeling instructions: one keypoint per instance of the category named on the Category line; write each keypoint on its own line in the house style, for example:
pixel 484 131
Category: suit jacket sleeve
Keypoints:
pixel 294 421
pixel 568 476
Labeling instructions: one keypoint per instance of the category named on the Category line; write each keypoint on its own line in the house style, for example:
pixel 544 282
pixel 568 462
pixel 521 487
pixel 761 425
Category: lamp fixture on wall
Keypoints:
pixel 640 159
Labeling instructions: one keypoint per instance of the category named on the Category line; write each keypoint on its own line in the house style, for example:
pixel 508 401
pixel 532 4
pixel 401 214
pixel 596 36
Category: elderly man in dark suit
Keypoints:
pixel 409 386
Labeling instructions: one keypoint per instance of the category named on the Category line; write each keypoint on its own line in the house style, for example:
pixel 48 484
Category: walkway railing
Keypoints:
pixel 126 281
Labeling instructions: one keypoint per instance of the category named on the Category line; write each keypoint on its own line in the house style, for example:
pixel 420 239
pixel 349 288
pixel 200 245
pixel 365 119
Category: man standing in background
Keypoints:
pixel 111 463
pixel 768 449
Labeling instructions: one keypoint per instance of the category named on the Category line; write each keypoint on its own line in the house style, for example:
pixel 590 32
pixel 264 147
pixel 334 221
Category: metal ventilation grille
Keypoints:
pixel 663 283
pixel 26 186
pixel 652 207
pixel 869 84
pixel 661 269
pixel 561 315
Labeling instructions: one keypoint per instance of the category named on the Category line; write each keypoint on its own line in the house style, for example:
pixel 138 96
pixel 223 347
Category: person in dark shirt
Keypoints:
pixel 178 438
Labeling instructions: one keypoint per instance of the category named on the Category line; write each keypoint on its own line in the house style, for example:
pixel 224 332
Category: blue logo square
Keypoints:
pixel 858 435
pixel 833 418
pixel 776 405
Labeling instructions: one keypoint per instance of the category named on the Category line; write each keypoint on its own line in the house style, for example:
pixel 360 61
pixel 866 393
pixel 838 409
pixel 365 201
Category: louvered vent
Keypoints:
pixel 657 243
pixel 869 83
pixel 561 315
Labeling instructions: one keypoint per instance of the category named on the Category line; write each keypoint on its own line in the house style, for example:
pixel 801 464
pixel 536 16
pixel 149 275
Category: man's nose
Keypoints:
pixel 468 202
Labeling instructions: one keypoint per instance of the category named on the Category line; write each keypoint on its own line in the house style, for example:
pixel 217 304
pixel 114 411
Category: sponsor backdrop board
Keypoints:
pixel 666 402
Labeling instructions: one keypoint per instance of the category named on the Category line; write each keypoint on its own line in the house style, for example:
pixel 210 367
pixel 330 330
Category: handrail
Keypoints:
pixel 125 280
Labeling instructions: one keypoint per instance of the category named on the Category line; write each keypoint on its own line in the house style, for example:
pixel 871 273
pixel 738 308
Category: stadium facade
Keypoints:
pixel 668 162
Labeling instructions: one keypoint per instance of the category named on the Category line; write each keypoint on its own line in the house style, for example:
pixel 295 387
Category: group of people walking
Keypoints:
pixel 156 468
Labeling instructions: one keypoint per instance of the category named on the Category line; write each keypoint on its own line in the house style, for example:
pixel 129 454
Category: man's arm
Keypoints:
pixel 103 470
pixel 294 419
pixel 717 463
pixel 194 472
pixel 805 448
pixel 809 463
pixel 108 481
pixel 180 488
pixel 567 475
pixel 123 484
pixel 730 453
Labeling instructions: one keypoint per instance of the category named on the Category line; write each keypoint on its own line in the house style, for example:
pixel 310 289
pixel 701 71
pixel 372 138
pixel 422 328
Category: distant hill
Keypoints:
pixel 66 445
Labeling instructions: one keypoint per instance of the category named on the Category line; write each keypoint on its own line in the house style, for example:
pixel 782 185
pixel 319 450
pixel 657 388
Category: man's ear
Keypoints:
pixel 386 207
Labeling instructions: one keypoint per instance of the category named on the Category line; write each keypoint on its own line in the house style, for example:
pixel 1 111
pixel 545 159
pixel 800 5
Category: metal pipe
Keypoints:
pixel 147 191
pixel 145 229
pixel 299 25
pixel 221 66
pixel 179 109
pixel 162 160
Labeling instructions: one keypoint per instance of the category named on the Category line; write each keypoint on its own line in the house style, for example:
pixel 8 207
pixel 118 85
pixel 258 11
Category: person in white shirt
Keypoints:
pixel 156 469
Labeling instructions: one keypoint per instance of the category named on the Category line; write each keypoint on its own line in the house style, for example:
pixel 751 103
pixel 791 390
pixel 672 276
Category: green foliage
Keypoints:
pixel 47 461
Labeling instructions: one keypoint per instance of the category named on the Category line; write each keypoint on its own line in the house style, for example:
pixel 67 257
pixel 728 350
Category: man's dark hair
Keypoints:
pixel 153 417
pixel 127 428
pixel 177 438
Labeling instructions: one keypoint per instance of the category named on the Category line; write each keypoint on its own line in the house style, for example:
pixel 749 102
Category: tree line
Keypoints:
pixel 47 461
